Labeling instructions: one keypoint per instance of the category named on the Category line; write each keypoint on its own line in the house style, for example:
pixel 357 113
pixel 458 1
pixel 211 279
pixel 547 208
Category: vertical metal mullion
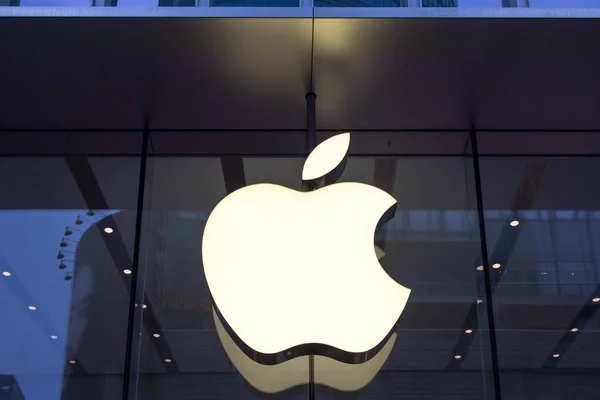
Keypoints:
pixel 486 267
pixel 136 263
pixel 311 143
pixel 311 123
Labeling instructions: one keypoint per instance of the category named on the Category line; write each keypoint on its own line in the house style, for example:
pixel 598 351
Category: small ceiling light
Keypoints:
pixel 54 337
pixel 90 213
pixel 127 271
pixel 596 299
pixel 555 355
pixel 68 231
pixel 168 360
pixel 60 255
pixel 156 335
pixel 514 223
pixel 78 221
pixel 479 301
pixel 62 265
pixel 468 331
pixel 6 273
pixel 63 243
pixel 480 268
pixel 496 266
pixel 574 329
pixel 144 306
pixel 108 229
pixel 72 362
pixel 458 356
pixel 32 308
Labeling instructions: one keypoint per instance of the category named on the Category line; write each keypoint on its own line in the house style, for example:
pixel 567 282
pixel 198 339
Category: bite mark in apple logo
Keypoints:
pixel 295 273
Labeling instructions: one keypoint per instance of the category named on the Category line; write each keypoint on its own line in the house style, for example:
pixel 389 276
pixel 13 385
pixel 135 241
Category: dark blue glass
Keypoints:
pixel 359 3
pixel 177 3
pixel 255 3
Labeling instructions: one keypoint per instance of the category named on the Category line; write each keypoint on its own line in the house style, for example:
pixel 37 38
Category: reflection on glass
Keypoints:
pixel 176 3
pixel 543 300
pixel 361 3
pixel 254 3
pixel 280 377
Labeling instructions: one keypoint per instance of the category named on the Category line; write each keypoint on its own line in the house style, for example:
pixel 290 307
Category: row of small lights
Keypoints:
pixel 469 331
pixel 128 271
pixel 108 230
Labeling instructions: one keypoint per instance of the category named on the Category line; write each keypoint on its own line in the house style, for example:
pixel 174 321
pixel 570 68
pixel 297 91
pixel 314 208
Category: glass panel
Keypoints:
pixel 432 246
pixel 56 3
pixel 359 3
pixel 562 3
pixel 67 237
pixel 542 234
pixel 255 3
pixel 415 3
pixel 177 3
pixel 181 355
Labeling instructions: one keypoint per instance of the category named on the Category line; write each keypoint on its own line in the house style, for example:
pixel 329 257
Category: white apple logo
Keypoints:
pixel 295 273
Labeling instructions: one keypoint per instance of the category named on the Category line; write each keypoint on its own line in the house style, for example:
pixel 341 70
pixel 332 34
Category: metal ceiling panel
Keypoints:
pixel 455 73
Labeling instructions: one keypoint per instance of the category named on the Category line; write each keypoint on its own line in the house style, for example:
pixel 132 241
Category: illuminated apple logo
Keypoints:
pixel 296 273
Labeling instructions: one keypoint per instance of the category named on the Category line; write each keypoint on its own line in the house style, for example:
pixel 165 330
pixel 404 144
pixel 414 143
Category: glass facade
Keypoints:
pixel 310 3
pixel 103 294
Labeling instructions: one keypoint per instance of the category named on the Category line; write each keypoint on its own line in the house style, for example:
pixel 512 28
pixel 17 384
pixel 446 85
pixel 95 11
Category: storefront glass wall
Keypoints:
pixel 127 311
pixel 481 4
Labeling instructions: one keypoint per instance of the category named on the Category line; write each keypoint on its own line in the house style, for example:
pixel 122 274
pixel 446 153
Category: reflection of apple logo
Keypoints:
pixel 296 273
pixel 326 371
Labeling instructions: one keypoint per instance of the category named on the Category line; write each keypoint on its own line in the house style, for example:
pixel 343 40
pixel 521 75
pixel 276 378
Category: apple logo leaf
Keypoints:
pixel 326 163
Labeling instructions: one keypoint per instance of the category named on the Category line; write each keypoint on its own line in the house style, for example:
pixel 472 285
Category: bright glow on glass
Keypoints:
pixel 596 299
pixel 479 301
pixel 6 273
pixel 108 229
pixel 574 329
pixel 458 356
pixel 32 308
pixel 144 306
pixel 53 337
pixel 556 355
pixel 514 223
pixel 469 331
pixel 72 362
pixel 480 268
pixel 156 335
pixel 280 245
pixel 496 266
pixel 328 372
pixel 168 360
pixel 127 271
